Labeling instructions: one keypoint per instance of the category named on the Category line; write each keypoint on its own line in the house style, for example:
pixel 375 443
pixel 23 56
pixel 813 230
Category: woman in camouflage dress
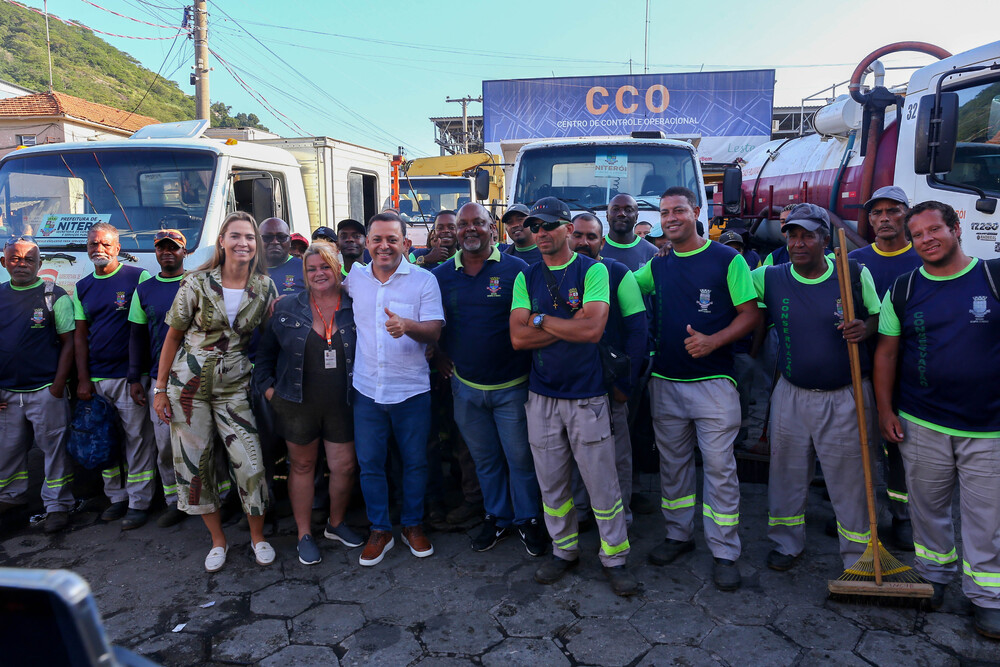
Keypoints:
pixel 203 385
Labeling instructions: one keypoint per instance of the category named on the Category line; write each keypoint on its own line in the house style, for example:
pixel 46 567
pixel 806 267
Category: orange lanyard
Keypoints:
pixel 328 328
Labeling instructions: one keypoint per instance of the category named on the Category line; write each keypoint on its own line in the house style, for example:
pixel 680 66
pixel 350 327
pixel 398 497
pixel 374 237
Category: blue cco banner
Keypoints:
pixel 709 104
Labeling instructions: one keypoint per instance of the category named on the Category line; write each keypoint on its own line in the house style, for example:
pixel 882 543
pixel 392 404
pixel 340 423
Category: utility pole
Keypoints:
pixel 645 47
pixel 48 42
pixel 465 101
pixel 201 69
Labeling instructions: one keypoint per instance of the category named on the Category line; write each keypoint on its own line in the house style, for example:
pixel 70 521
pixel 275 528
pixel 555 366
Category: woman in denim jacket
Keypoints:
pixel 304 367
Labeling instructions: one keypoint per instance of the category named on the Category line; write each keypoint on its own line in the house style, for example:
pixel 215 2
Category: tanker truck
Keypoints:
pixel 937 137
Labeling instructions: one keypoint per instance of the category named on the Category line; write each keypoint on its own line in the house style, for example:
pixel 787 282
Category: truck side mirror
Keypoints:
pixel 936 132
pixel 732 185
pixel 482 184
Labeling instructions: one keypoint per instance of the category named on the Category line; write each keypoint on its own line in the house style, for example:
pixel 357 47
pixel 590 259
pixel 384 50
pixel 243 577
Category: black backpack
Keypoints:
pixel 902 288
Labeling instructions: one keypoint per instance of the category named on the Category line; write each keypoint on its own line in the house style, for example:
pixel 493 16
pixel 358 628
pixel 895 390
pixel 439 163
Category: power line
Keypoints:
pixel 155 77
pixel 124 16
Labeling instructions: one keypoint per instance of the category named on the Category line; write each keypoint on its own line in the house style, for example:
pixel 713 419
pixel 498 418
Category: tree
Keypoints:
pixel 221 118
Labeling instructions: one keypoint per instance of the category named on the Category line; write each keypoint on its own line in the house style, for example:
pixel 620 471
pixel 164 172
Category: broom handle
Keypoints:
pixel 847 300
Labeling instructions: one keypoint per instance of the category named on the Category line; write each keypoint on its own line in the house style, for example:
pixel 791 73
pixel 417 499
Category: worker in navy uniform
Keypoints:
pixel 940 351
pixel 489 380
pixel 622 243
pixel 36 356
pixel 890 256
pixel 812 407
pixel 559 312
pixel 703 302
pixel 350 238
pixel 626 333
pixel 150 304
pixel 523 246
pixel 101 306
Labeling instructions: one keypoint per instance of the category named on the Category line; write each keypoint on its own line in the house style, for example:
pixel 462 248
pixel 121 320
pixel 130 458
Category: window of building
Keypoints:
pixel 25 140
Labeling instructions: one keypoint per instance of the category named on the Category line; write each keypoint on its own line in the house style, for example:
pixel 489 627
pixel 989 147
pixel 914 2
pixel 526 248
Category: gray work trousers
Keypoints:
pixel 138 447
pixel 806 424
pixel 39 417
pixel 934 463
pixel 623 464
pixel 164 453
pixel 703 414
pixel 564 430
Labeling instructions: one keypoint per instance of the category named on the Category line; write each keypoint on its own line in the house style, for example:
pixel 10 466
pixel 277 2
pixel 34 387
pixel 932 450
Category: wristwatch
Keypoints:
pixel 157 390
pixel 537 320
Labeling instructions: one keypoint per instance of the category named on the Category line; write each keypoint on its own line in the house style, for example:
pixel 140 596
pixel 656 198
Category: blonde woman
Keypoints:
pixel 203 382
pixel 303 368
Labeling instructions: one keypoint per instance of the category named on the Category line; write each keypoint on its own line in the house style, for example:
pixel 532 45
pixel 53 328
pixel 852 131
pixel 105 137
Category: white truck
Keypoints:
pixel 169 176
pixel 587 173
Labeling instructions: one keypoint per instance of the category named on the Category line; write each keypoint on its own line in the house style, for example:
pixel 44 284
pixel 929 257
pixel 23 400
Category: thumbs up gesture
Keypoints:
pixel 698 344
pixel 395 325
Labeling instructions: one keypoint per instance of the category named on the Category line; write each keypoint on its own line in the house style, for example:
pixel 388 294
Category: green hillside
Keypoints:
pixel 86 66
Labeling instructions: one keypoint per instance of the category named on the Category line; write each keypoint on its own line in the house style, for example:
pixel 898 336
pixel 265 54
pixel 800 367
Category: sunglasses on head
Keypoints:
pixel 28 238
pixel 271 238
pixel 536 224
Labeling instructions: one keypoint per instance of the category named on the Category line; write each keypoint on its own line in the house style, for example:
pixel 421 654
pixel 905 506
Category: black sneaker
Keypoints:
pixel 533 537
pixel 553 569
pixel 490 535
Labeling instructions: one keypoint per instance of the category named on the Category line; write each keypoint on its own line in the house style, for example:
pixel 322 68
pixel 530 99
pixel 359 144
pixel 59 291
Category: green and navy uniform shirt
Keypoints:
pixel 104 302
pixel 29 335
pixel 477 310
pixel 564 369
pixel 152 300
pixel 777 257
pixel 700 288
pixel 885 267
pixel 530 255
pixel 287 277
pixel 949 353
pixel 812 352
pixel 626 330
pixel 634 255
pixel 742 346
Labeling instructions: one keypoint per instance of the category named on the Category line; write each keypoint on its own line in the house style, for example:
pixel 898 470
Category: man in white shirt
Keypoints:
pixel 397 311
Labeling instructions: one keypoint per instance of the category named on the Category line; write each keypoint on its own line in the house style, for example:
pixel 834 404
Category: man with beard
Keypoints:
pixel 489 380
pixel 284 268
pixel 524 241
pixel 623 244
pixel 626 333
pixel 889 257
pixel 101 306
pixel 940 346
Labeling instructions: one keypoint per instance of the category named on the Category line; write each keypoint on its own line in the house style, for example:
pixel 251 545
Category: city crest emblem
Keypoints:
pixel 120 300
pixel 289 281
pixel 839 314
pixel 494 286
pixel 979 310
pixel 704 300
pixel 38 318
pixel 574 298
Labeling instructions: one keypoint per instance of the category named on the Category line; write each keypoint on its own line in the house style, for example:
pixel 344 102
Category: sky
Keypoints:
pixel 372 73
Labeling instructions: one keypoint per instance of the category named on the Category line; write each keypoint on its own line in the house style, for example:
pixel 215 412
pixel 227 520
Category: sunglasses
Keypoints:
pixel 535 225
pixel 271 238
pixel 28 238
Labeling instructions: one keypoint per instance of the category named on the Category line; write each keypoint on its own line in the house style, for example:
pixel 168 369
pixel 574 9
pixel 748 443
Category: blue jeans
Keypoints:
pixel 409 422
pixel 495 429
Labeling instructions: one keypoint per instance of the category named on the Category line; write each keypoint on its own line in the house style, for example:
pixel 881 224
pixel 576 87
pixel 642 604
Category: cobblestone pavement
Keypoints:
pixel 460 607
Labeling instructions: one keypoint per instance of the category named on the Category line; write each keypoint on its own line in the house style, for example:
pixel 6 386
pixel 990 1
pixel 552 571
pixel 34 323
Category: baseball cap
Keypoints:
pixel 298 237
pixel 325 234
pixel 730 237
pixel 170 235
pixel 656 232
pixel 808 216
pixel 890 192
pixel 549 209
pixel 350 223
pixel 516 208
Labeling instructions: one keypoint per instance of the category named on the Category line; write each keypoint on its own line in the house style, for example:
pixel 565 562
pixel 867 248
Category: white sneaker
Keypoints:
pixel 263 553
pixel 216 558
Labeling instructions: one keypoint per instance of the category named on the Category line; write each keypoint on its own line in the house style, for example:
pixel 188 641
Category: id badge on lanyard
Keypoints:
pixel 329 354
pixel 329 359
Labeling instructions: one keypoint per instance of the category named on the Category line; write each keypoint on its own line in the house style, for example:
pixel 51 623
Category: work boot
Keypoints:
pixel 134 519
pixel 901 534
pixel 56 521
pixel 171 516
pixel 490 535
pixel 464 512
pixel 621 580
pixel 533 537
pixel 668 551
pixel 780 562
pixel 937 600
pixel 726 575
pixel 115 511
pixel 640 504
pixel 553 570
pixel 420 546
pixel 987 621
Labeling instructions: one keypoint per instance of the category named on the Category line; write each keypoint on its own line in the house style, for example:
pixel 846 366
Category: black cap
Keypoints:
pixel 516 208
pixel 350 223
pixel 730 236
pixel 808 216
pixel 324 233
pixel 549 209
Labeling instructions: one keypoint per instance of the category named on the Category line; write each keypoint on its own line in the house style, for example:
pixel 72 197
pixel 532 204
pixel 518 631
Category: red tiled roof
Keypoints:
pixel 61 104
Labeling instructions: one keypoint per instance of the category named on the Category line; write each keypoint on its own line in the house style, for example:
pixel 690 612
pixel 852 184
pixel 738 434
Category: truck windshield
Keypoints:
pixel 57 197
pixel 977 156
pixel 590 175
pixel 433 195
